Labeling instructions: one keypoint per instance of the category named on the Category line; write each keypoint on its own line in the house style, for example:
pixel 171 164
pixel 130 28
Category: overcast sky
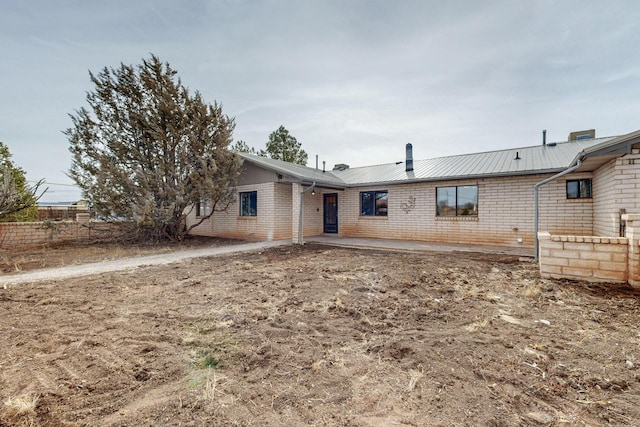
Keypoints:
pixel 352 80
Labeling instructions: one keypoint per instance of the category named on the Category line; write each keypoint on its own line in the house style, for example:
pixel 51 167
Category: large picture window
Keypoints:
pixel 459 200
pixel 578 189
pixel 374 203
pixel 249 203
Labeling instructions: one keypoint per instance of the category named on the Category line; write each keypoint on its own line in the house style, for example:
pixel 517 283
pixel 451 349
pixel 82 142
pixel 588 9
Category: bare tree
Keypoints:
pixel 147 150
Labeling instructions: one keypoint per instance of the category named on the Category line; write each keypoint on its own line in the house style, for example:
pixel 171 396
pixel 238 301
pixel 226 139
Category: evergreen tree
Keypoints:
pixel 283 146
pixel 18 200
pixel 147 150
pixel 241 147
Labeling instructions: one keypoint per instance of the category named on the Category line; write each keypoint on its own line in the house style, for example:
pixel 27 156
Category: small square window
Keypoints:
pixel 249 203
pixel 374 203
pixel 578 188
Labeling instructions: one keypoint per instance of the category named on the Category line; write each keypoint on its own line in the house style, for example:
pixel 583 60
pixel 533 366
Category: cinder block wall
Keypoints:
pixel 27 234
pixel 633 234
pixel 598 259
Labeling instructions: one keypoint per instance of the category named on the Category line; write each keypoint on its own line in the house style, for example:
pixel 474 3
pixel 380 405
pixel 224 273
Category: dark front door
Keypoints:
pixel 331 213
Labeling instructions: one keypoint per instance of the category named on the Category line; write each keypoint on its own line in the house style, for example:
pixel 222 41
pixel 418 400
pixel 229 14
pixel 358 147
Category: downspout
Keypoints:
pixel 301 207
pixel 535 192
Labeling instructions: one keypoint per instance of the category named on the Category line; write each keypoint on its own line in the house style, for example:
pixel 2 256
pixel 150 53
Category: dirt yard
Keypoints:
pixel 326 336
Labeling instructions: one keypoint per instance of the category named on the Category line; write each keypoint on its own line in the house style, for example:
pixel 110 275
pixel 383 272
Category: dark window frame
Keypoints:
pixel 456 210
pixel 374 203
pixel 203 207
pixel 251 209
pixel 584 189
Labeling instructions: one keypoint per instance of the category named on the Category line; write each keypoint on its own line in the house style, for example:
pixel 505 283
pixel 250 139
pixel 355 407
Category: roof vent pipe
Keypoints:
pixel 316 162
pixel 324 162
pixel 544 137
pixel 409 163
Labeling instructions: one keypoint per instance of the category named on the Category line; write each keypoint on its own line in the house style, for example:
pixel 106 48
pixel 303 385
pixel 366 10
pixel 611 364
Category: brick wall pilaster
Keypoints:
pixel 296 189
pixel 633 235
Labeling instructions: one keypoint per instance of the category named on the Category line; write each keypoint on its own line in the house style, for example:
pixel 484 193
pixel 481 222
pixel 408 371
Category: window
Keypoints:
pixel 373 203
pixel 578 189
pixel 457 201
pixel 203 207
pixel 249 203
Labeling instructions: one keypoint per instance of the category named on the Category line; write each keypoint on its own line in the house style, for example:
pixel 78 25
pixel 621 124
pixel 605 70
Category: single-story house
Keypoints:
pixel 578 187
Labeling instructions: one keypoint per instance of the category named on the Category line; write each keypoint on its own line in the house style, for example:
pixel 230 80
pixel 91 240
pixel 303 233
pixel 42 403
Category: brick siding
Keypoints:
pixel 616 186
pixel 591 258
pixel 28 234
pixel 505 209
pixel 505 212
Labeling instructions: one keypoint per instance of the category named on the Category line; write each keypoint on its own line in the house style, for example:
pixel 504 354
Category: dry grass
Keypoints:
pixel 46 256
pixel 19 411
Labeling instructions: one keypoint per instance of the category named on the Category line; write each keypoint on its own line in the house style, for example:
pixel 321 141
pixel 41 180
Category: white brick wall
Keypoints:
pixel 267 225
pixel 616 186
pixel 597 259
pixel 505 209
pixel 505 212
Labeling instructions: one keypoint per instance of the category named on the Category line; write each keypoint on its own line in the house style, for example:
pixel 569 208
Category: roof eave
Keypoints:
pixel 321 184
pixel 306 179
pixel 619 145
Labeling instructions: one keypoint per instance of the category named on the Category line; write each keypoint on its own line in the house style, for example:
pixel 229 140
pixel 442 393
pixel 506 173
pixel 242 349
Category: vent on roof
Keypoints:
pixel 582 134
pixel 340 167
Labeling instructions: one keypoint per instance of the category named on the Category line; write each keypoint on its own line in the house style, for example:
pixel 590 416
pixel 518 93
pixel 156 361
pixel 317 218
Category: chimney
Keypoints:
pixel 544 137
pixel 582 134
pixel 409 162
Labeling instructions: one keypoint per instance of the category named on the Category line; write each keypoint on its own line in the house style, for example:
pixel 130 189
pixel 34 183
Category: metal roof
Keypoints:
pixel 549 158
pixel 516 161
pixel 294 171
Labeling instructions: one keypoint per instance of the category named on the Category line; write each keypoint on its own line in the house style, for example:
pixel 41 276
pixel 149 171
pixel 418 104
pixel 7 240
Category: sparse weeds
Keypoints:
pixel 19 411
pixel 532 291
pixel 414 376
pixel 206 360
pixel 212 346
pixel 477 325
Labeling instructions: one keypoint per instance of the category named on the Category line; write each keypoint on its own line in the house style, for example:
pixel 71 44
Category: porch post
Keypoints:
pixel 296 188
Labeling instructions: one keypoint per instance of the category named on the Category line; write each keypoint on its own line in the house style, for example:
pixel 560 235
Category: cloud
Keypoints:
pixel 353 81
